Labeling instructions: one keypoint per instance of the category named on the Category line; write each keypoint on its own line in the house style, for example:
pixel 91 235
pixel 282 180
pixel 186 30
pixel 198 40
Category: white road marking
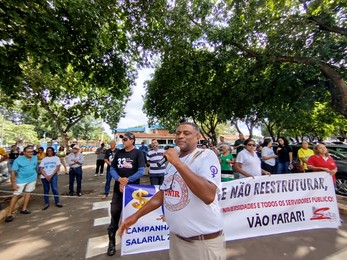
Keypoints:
pixel 98 245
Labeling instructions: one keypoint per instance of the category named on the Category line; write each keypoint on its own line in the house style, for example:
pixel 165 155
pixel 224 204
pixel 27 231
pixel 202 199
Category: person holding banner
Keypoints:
pixel 268 156
pixel 248 163
pixel 322 161
pixel 304 153
pixel 189 194
pixel 127 167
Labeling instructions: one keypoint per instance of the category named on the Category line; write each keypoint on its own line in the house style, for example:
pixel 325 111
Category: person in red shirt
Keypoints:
pixel 321 161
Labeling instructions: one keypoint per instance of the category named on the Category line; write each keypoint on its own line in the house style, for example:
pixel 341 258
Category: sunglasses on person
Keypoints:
pixel 251 145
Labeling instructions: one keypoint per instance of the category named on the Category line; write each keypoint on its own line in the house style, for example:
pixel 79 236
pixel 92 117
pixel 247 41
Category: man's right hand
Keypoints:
pixel 128 222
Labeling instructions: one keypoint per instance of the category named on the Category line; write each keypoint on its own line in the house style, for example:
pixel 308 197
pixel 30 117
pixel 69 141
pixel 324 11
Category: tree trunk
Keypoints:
pixel 338 89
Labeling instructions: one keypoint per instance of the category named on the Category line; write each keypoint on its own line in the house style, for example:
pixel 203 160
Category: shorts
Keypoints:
pixel 25 187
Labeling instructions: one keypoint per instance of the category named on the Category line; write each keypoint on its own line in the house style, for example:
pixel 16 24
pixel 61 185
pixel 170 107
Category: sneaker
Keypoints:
pixel 101 174
pixel 96 175
pixel 79 194
pixel 59 205
pixel 104 196
pixel 70 193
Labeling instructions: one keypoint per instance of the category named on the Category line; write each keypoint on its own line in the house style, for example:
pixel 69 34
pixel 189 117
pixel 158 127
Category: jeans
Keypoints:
pixel 99 165
pixel 75 173
pixel 9 165
pixel 46 187
pixel 282 167
pixel 108 181
pixel 156 179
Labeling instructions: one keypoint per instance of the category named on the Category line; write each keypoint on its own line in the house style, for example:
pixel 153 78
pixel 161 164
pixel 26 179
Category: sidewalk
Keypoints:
pixel 342 203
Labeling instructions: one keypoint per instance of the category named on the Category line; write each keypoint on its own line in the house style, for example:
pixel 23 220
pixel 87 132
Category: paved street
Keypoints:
pixel 78 231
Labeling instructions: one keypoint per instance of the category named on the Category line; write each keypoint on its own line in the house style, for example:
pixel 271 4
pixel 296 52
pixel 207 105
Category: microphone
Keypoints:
pixel 164 159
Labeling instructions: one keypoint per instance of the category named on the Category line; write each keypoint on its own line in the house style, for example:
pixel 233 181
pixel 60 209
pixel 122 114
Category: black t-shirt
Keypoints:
pixel 237 143
pixel 283 154
pixel 109 155
pixel 13 156
pixel 128 163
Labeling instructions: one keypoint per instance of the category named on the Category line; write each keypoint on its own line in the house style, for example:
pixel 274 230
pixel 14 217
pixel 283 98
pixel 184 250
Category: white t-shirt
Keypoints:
pixel 250 163
pixel 266 151
pixel 49 164
pixel 185 213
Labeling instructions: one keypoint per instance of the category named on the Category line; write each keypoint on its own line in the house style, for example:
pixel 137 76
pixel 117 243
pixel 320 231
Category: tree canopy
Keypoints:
pixel 71 58
pixel 257 61
pixel 272 60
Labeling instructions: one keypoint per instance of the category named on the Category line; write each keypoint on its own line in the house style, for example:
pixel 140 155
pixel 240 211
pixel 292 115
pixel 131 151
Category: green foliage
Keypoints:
pixel 71 58
pixel 254 61
pixel 265 61
pixel 87 129
pixel 11 133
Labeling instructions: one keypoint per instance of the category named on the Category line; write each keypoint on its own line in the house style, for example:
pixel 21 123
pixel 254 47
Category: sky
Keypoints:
pixel 133 109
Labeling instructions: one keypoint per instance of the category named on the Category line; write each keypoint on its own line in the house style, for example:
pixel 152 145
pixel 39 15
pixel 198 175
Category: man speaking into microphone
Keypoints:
pixel 193 214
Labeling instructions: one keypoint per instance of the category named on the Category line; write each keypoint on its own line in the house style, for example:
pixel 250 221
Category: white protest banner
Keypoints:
pixel 278 204
pixel 150 233
pixel 251 207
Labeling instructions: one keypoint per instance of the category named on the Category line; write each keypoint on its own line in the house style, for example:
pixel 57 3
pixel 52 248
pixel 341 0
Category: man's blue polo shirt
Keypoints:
pixel 25 169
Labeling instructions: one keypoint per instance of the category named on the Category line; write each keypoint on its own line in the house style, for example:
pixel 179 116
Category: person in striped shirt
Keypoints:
pixel 156 174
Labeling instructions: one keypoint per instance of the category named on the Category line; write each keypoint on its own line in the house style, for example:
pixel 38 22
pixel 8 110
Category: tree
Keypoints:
pixel 311 33
pixel 71 58
pixel 192 77
pixel 12 134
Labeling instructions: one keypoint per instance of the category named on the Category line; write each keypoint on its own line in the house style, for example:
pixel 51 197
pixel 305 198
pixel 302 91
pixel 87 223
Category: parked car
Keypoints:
pixel 340 148
pixel 341 163
pixel 341 175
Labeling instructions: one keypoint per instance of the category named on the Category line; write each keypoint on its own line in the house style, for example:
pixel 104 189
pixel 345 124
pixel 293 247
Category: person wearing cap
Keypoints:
pixel 127 167
pixel 75 161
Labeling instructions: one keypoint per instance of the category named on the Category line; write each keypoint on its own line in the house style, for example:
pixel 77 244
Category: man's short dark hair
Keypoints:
pixel 195 126
pixel 28 147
